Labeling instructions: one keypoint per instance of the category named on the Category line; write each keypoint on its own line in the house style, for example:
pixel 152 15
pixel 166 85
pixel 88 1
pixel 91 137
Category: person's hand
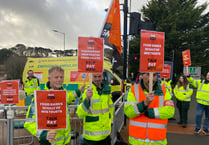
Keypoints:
pixel 149 98
pixel 51 135
pixel 89 93
pixel 82 87
pixel 187 74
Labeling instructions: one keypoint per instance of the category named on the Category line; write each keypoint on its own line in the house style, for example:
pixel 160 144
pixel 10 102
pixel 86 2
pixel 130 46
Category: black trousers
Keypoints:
pixel 183 108
pixel 106 141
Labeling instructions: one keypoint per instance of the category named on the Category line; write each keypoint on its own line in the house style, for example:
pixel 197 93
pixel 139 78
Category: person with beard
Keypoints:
pixel 97 110
pixel 148 112
pixel 56 78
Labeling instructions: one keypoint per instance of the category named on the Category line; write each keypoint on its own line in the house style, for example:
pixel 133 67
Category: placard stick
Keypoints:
pixel 150 81
pixel 187 69
pixel 90 80
pixel 52 142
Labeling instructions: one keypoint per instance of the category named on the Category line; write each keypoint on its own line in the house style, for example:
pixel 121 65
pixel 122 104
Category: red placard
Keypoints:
pixel 152 51
pixel 186 57
pixel 90 55
pixel 166 72
pixel 51 108
pixel 10 92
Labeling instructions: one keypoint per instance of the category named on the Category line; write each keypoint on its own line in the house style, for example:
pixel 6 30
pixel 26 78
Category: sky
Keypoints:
pixel 30 22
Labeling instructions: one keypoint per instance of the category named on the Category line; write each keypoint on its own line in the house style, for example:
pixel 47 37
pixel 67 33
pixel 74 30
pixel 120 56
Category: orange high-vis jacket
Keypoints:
pixel 142 127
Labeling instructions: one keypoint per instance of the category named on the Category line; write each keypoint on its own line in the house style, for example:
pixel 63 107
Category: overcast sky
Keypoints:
pixel 30 22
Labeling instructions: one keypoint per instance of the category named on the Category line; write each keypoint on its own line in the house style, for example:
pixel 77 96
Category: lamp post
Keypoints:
pixel 63 36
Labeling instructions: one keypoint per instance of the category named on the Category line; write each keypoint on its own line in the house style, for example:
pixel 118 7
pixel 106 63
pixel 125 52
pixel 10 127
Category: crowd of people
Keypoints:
pixel 148 110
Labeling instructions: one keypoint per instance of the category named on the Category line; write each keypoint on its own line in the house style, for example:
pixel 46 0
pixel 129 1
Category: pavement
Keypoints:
pixel 176 134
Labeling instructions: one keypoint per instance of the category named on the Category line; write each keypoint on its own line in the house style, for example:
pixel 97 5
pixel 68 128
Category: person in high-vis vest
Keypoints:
pixel 183 92
pixel 167 83
pixel 31 83
pixel 46 137
pixel 97 110
pixel 148 112
pixel 202 105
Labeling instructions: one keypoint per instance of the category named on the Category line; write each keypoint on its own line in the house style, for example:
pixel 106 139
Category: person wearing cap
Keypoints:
pixel 202 98
pixel 148 112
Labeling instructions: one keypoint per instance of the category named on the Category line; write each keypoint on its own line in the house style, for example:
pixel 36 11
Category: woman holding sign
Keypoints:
pixel 183 93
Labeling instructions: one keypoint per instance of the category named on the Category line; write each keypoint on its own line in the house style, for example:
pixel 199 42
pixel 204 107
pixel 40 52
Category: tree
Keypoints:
pixel 14 67
pixel 186 27
pixel 4 55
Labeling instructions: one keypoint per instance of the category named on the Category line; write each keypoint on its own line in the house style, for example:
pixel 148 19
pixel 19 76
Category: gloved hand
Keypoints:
pixel 150 113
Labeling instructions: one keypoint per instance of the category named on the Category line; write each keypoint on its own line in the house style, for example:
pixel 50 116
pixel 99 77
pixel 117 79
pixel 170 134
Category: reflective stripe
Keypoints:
pixel 75 94
pixel 99 111
pixel 188 97
pixel 96 100
pixel 202 84
pixel 38 133
pixel 203 91
pixel 136 88
pixel 84 108
pixel 31 120
pixel 136 109
pixel 157 114
pixel 161 99
pixel 202 100
pixel 150 125
pixel 146 140
pixel 68 136
pixel 58 139
pixel 112 105
pixel 130 103
pixel 96 132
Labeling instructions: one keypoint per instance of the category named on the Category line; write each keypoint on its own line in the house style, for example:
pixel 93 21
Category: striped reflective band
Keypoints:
pixel 157 114
pixel 99 111
pixel 130 103
pixel 75 94
pixel 161 101
pixel 68 136
pixel 202 100
pixel 84 108
pixel 96 132
pixel 181 90
pixel 58 139
pixel 203 91
pixel 136 88
pixel 150 125
pixel 30 120
pixel 188 97
pixel 38 133
pixel 202 84
pixel 112 105
pixel 146 140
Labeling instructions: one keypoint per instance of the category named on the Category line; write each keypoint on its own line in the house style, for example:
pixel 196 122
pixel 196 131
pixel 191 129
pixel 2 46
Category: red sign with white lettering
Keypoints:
pixel 10 92
pixel 186 57
pixel 90 54
pixel 166 71
pixel 51 108
pixel 151 51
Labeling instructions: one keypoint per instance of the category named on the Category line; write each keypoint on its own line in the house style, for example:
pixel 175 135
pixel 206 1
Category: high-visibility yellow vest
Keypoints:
pixel 31 85
pixel 97 114
pixel 183 95
pixel 202 90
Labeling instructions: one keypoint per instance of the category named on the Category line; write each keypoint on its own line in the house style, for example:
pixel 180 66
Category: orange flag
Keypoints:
pixel 111 32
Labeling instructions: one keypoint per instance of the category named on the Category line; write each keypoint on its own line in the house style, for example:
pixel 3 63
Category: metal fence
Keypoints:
pixel 12 130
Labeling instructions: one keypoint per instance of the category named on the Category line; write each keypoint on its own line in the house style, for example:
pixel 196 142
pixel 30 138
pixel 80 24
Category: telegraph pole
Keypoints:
pixel 125 11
